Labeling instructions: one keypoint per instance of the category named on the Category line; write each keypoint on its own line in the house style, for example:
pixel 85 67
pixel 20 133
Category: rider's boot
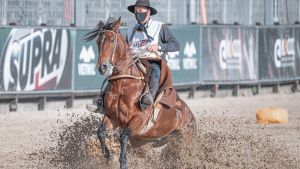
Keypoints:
pixel 98 105
pixel 147 99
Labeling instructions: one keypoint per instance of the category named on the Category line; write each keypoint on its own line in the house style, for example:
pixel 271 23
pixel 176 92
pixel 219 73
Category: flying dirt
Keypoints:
pixel 227 136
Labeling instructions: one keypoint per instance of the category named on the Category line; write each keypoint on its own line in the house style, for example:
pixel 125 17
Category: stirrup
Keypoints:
pixel 145 106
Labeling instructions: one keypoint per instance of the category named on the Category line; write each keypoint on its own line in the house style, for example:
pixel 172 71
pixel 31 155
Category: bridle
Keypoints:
pixel 113 54
pixel 120 76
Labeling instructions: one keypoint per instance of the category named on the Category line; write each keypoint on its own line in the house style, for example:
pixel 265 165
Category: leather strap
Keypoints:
pixel 124 76
pixel 158 56
pixel 147 88
pixel 141 52
pixel 103 84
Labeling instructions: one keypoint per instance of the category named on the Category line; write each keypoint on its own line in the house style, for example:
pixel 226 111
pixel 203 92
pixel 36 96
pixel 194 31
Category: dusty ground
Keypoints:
pixel 227 137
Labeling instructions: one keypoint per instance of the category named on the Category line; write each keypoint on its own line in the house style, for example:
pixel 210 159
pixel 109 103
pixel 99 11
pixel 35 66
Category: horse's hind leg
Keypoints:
pixel 105 126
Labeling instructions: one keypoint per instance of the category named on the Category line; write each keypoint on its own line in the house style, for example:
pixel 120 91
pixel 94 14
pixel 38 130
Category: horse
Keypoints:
pixel 122 98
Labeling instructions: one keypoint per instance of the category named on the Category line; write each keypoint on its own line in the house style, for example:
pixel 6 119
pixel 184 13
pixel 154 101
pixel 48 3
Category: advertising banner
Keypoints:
pixel 36 59
pixel 86 56
pixel 278 55
pixel 229 54
pixel 185 64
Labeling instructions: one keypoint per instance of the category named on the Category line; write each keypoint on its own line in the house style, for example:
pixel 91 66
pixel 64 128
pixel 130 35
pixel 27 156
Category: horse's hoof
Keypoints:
pixel 111 158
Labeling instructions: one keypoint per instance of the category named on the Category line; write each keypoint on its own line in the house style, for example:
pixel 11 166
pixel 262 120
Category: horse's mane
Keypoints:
pixel 100 27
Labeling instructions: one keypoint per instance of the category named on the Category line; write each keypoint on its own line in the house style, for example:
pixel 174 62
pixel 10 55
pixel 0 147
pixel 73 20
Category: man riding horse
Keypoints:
pixel 147 34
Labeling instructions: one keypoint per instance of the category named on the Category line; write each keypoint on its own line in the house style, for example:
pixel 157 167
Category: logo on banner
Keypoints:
pixel 284 52
pixel 230 54
pixel 86 68
pixel 34 59
pixel 173 62
pixel 190 62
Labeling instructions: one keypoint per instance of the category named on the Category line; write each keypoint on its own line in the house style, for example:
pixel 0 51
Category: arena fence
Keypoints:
pixel 43 62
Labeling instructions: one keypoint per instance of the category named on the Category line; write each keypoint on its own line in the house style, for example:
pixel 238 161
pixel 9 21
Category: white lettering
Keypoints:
pixel 284 51
pixel 34 58
pixel 189 63
pixel 86 69
pixel 230 52
pixel 174 64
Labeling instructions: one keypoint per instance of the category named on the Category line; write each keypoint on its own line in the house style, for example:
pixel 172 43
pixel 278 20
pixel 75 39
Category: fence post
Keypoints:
pixel 13 104
pixel 182 12
pixel 80 12
pixel 192 92
pixel 236 90
pixel 276 88
pixel 258 89
pixel 214 91
pixel 70 102
pixel 42 103
pixel 295 86
pixel 269 12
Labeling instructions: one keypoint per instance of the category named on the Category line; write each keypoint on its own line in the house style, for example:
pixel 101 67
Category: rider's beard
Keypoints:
pixel 140 17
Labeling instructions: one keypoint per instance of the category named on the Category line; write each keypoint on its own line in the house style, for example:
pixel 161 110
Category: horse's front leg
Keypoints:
pixel 106 126
pixel 123 140
pixel 134 126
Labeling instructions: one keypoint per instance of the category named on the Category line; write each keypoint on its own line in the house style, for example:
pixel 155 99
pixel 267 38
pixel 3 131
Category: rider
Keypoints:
pixel 150 34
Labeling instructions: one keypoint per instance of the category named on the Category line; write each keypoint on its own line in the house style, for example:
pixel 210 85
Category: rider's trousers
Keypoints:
pixel 156 70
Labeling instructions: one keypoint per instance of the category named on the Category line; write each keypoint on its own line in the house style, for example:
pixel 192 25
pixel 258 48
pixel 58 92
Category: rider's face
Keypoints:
pixel 140 9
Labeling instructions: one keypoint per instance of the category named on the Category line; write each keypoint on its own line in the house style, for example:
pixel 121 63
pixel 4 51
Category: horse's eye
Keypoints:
pixel 112 41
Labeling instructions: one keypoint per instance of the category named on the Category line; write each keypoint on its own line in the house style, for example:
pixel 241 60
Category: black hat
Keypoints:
pixel 144 3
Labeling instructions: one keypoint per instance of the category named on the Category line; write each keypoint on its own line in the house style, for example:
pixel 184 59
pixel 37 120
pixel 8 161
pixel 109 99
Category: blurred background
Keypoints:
pixel 176 12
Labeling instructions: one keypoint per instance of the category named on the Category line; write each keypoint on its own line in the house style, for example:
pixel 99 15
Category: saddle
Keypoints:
pixel 169 98
pixel 166 96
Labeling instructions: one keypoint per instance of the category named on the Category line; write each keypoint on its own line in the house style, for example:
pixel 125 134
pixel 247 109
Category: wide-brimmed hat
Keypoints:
pixel 144 3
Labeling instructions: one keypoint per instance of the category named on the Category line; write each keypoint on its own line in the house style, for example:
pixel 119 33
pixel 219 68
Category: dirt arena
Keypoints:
pixel 227 136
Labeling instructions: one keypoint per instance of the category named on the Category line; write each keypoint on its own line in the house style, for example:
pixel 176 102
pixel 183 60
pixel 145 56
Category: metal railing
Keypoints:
pixel 63 12
pixel 37 12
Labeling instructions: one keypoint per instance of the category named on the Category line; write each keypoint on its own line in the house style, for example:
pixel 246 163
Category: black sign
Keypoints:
pixel 278 57
pixel 36 59
pixel 229 54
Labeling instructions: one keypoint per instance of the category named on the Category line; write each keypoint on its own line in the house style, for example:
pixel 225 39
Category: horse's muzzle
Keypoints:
pixel 103 69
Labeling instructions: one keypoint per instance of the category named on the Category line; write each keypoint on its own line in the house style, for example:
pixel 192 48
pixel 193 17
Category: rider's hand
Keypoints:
pixel 152 48
pixel 131 48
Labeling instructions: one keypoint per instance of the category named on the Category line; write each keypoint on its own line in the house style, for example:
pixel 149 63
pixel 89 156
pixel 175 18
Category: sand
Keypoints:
pixel 227 136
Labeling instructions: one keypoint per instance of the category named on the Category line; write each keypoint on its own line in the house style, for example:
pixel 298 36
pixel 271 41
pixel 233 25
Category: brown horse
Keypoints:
pixel 123 95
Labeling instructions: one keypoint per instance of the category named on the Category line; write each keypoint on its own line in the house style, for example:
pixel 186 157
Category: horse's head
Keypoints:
pixel 107 43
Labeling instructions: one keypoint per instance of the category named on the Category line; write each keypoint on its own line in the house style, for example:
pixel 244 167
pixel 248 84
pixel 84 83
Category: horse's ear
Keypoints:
pixel 101 24
pixel 116 26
